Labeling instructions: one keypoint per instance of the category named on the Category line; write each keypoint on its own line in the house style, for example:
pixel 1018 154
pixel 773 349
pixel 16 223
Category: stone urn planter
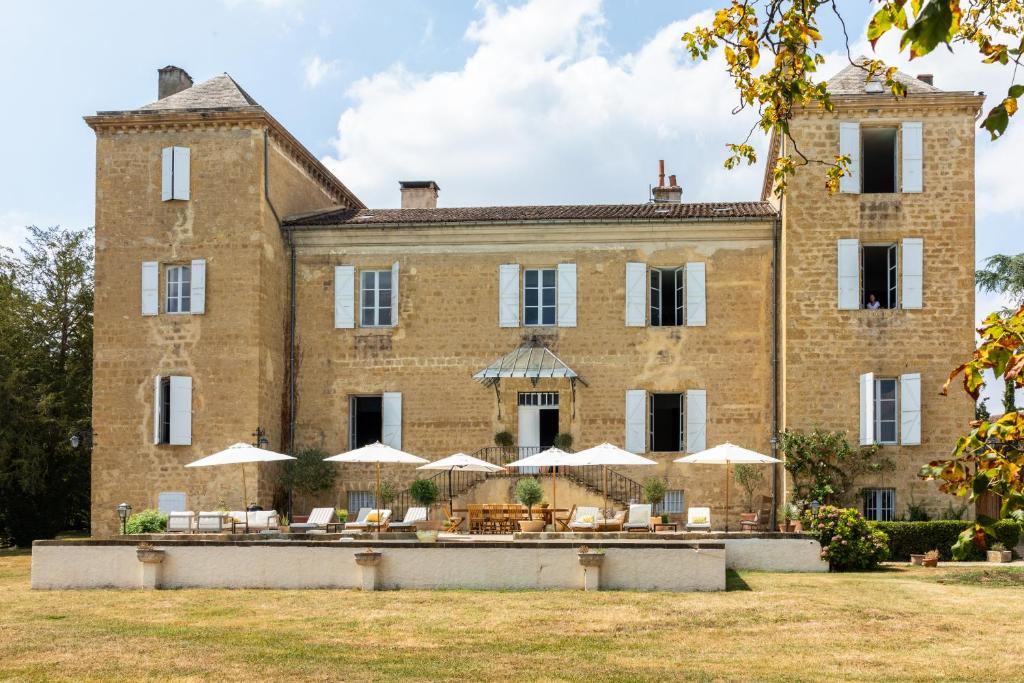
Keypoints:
pixel 531 525
pixel 426 535
pixel 368 558
pixel 590 558
pixel 999 555
pixel 150 555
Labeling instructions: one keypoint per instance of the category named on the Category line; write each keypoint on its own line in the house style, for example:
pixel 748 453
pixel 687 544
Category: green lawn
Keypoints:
pixel 910 624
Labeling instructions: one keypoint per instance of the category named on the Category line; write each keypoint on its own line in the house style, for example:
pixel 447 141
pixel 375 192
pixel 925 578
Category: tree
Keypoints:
pixel 990 458
pixel 825 467
pixel 1003 274
pixel 46 303
pixel 788 32
pixel 749 477
pixel 308 473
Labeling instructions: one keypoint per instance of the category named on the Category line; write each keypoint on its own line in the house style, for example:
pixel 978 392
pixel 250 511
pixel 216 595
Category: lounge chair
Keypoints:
pixel 639 518
pixel 584 519
pixel 257 519
pixel 408 523
pixel 210 522
pixel 318 519
pixel 370 518
pixel 698 518
pixel 180 522
pixel 613 523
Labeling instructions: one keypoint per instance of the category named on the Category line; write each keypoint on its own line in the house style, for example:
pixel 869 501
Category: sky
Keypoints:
pixel 532 102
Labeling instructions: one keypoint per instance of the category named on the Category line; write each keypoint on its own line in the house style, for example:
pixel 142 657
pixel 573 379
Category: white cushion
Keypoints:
pixel 640 513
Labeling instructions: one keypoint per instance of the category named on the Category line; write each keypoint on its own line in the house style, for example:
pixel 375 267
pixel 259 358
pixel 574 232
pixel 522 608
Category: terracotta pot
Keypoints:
pixel 655 520
pixel 786 527
pixel 531 525
pixel 798 526
pixel 930 562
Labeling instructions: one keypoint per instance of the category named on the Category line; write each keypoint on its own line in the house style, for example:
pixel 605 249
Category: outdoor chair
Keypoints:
pixel 698 518
pixel 408 523
pixel 639 517
pixel 210 522
pixel 584 519
pixel 319 518
pixel 761 517
pixel 451 524
pixel 255 520
pixel 370 518
pixel 476 518
pixel 613 523
pixel 180 522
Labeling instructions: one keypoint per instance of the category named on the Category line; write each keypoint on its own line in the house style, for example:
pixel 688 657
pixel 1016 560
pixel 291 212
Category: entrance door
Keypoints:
pixel 529 434
pixel 538 421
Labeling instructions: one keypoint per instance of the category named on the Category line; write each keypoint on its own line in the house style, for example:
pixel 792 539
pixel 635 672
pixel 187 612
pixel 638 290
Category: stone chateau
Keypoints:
pixel 241 285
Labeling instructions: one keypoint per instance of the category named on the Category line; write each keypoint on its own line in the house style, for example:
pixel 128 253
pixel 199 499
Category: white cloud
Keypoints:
pixel 539 113
pixel 317 70
pixel 13 228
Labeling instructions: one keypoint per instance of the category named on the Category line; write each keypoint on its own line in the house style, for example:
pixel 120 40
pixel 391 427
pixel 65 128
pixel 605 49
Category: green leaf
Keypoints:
pixel 980 484
pixel 996 121
pixel 934 25
pixel 1016 91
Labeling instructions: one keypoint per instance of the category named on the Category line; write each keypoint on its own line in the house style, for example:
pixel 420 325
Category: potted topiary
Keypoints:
pixel 424 493
pixel 529 493
pixel 654 493
pixel 562 441
pixel 999 553
pixel 504 439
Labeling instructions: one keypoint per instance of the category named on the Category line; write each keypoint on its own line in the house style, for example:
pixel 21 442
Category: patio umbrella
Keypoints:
pixel 726 454
pixel 239 454
pixel 553 458
pixel 462 463
pixel 377 453
pixel 608 454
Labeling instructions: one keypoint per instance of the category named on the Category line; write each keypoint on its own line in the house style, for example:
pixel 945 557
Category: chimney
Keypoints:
pixel 419 194
pixel 926 78
pixel 667 194
pixel 172 79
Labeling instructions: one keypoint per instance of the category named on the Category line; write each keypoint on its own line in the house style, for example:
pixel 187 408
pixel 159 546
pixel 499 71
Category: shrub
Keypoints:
pixel 1007 532
pixel 848 542
pixel 385 494
pixel 147 522
pixel 654 491
pixel 424 492
pixel 529 493
pixel 308 473
pixel 917 538
pixel 504 440
pixel 562 441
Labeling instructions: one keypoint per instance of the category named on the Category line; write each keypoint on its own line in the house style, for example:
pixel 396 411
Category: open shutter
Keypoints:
pixel 198 286
pixel 181 411
pixel 867 409
pixel 910 409
pixel 849 274
pixel 636 294
pixel 157 407
pixel 913 272
pixel 394 294
pixel 912 156
pixel 636 420
pixel 391 419
pixel 696 420
pixel 567 295
pixel 695 304
pixel 508 295
pixel 680 294
pixel 849 146
pixel 167 173
pixel 150 288
pixel 344 297
pixel 182 172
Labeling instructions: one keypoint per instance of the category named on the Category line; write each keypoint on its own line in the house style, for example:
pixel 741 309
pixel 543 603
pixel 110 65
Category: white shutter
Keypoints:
pixel 636 294
pixel 913 273
pixel 696 420
pixel 394 294
pixel 198 286
pixel 849 274
pixel 167 173
pixel 391 419
pixel 867 409
pixel 181 411
pixel 695 303
pixel 913 156
pixel 156 409
pixel 636 420
pixel 567 295
pixel 849 145
pixel 508 295
pixel 344 297
pixel 150 288
pixel 910 409
pixel 181 173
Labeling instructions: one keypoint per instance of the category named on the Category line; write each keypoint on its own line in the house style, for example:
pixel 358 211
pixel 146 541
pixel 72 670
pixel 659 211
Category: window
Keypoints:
pixel 171 501
pixel 175 163
pixel 357 500
pixel 879 505
pixel 880 273
pixel 673 502
pixel 667 297
pixel 666 422
pixel 878 147
pixel 164 420
pixel 543 399
pixel 885 411
pixel 376 298
pixel 172 410
pixel 539 296
pixel 179 289
pixel 366 420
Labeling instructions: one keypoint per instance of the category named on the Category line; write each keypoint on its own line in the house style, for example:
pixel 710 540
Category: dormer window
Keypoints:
pixel 874 86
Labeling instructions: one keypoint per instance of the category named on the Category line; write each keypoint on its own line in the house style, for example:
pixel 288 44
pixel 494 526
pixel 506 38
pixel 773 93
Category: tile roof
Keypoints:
pixel 850 81
pixel 486 214
pixel 220 92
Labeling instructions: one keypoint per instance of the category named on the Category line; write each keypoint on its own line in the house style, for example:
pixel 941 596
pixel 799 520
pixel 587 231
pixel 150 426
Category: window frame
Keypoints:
pixel 896 153
pixel 673 503
pixel 540 306
pixel 878 400
pixel 360 496
pixel 165 411
pixel 352 399
pixel 873 504
pixel 179 269
pixel 678 303
pixel 539 399
pixel 376 307
pixel 681 444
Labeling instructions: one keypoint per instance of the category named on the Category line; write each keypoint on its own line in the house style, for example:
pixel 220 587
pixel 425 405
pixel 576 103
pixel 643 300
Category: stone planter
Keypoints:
pixel 426 535
pixel 591 559
pixel 591 563
pixel 150 555
pixel 917 559
pixel 999 555
pixel 368 558
pixel 151 559
pixel 368 561
pixel 531 525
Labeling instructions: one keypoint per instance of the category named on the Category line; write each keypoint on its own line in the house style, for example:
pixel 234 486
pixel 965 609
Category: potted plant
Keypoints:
pixel 424 493
pixel 654 493
pixel 504 439
pixel 562 441
pixel 999 553
pixel 931 559
pixel 529 493
pixel 788 513
pixel 282 524
pixel 917 559
pixel 749 477
pixel 341 514
pixel 385 494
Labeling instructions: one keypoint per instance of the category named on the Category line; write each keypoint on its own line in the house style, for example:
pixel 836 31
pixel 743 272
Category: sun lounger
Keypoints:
pixel 584 519
pixel 370 518
pixel 698 519
pixel 318 518
pixel 639 518
pixel 408 523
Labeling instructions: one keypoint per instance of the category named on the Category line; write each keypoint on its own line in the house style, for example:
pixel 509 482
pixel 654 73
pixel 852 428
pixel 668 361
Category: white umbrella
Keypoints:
pixel 377 453
pixel 462 463
pixel 608 454
pixel 726 454
pixel 552 457
pixel 239 454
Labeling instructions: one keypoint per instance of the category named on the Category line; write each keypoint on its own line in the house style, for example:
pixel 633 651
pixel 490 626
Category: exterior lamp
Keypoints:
pixel 123 511
pixel 261 438
pixel 814 507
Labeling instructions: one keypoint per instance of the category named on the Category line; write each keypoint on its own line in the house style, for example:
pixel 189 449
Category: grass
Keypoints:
pixel 901 623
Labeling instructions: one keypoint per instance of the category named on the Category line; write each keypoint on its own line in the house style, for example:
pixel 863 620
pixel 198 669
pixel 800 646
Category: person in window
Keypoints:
pixel 873 303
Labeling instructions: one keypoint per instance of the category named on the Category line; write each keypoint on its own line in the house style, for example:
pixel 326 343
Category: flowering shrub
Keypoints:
pixel 847 541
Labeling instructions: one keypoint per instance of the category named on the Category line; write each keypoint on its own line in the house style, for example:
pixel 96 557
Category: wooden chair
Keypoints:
pixel 452 524
pixel 476 518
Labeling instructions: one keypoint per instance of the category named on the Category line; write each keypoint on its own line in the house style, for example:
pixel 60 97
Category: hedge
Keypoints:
pixel 906 538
